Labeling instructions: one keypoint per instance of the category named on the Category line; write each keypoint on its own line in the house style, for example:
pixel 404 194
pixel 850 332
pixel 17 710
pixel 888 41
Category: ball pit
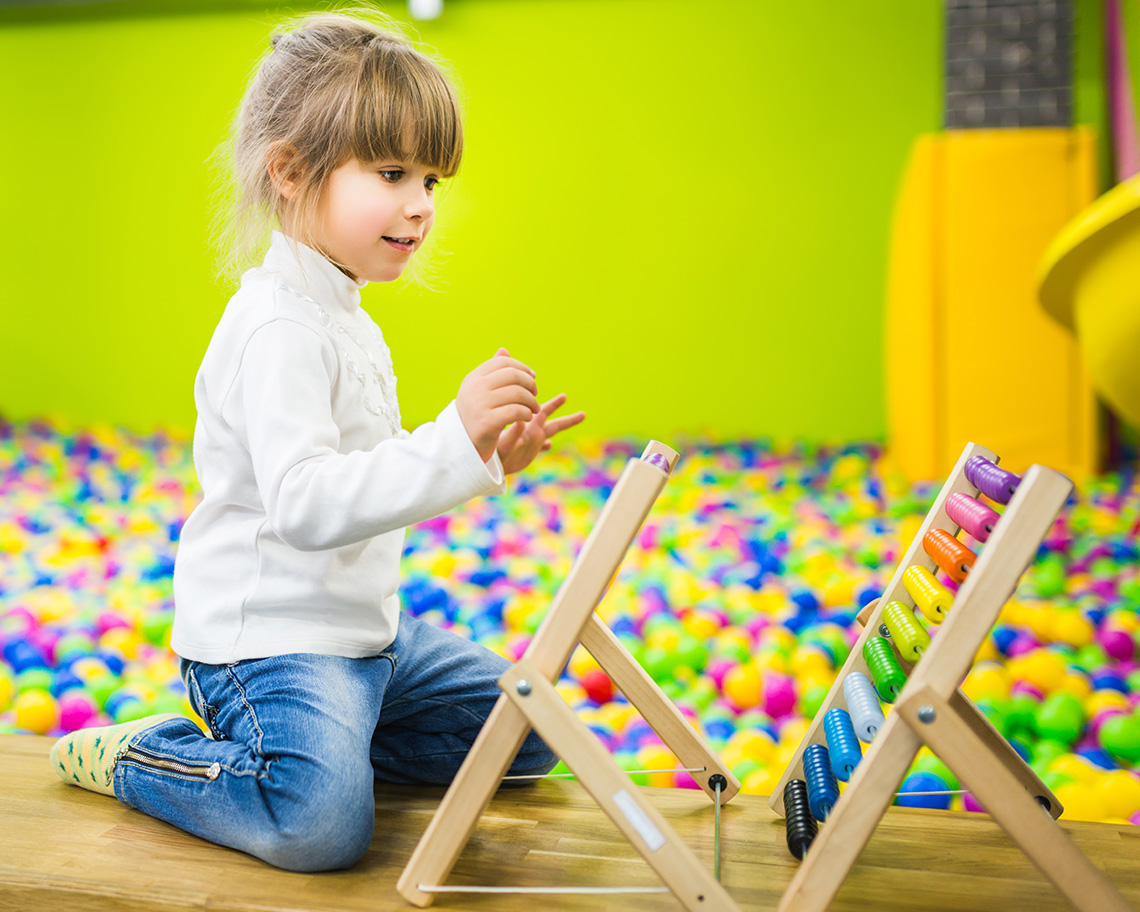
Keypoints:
pixel 738 595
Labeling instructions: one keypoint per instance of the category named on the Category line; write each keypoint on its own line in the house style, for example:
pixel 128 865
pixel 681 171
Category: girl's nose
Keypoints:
pixel 420 205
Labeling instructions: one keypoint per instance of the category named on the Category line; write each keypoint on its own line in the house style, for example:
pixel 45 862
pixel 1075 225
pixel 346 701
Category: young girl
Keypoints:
pixel 294 651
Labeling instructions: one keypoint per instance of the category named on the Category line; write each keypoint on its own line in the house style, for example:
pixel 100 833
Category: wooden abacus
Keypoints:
pixel 529 700
pixel 929 708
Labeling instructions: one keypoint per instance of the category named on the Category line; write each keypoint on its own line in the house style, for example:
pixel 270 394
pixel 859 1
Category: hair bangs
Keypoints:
pixel 408 111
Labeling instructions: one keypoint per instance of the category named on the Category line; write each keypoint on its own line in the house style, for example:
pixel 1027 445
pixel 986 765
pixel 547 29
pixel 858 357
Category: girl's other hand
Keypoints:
pixel 523 441
pixel 498 393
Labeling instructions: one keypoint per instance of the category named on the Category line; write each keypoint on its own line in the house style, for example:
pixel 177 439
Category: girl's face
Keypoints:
pixel 373 217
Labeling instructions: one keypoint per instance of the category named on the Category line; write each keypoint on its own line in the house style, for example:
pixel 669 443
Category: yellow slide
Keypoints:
pixel 1090 283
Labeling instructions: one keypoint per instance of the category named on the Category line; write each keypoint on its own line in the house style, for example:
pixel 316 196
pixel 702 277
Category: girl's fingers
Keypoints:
pixel 509 414
pixel 556 425
pixel 553 405
pixel 501 361
pixel 511 436
pixel 508 376
pixel 510 395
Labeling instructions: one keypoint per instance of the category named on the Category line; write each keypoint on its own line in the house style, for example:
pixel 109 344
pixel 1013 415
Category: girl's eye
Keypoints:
pixel 431 183
pixel 391 176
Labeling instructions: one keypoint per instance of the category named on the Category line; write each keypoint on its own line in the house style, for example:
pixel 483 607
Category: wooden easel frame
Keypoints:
pixel 932 710
pixel 529 700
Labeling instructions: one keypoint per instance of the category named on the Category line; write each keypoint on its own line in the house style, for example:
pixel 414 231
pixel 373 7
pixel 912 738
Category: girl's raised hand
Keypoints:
pixel 523 441
pixel 498 393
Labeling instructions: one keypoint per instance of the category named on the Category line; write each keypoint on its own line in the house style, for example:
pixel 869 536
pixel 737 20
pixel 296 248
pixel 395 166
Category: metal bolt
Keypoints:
pixel 926 714
pixel 523 687
pixel 884 631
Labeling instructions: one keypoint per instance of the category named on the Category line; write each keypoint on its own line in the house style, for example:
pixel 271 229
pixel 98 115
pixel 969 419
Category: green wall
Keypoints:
pixel 675 211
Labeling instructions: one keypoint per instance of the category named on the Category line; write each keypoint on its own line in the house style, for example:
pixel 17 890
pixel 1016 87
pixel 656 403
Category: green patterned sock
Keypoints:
pixel 87 757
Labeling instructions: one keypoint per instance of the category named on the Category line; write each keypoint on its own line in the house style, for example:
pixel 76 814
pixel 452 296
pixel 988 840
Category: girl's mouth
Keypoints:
pixel 405 245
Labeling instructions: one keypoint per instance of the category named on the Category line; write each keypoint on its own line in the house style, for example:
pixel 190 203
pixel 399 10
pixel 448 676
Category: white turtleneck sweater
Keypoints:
pixel 308 481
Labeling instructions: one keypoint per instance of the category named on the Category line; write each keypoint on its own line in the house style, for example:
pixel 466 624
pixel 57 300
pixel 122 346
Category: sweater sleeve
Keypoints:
pixel 315 497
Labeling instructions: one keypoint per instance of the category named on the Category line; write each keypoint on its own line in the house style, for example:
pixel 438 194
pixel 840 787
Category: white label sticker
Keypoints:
pixel 636 816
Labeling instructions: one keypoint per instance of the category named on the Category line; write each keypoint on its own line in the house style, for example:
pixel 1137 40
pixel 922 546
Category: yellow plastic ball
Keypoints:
pixel 793 732
pixel 36 710
pixel 1081 801
pixel 1076 768
pixel 1120 792
pixel 1072 627
pixel 1075 684
pixel 753 745
pixel 986 680
pixel 761 782
pixel 1039 667
pixel 811 661
pixel 743 686
pixel 1104 699
pixel 657 757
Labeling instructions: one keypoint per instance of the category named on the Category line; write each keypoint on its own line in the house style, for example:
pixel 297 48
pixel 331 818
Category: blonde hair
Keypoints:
pixel 331 87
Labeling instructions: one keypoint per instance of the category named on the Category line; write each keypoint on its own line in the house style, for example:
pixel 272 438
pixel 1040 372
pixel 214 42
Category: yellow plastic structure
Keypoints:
pixel 970 355
pixel 1090 283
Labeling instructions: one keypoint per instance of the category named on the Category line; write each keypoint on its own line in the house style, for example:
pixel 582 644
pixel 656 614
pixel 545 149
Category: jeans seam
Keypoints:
pixel 249 707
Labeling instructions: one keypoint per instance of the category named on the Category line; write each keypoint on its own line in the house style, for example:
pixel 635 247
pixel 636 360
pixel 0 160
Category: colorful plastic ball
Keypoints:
pixel 1041 668
pixel 743 685
pixel 657 757
pixel 924 782
pixel 779 695
pixel 1120 736
pixel 1081 801
pixel 598 686
pixel 1117 643
pixel 7 687
pixel 76 710
pixel 36 710
pixel 1061 717
pixel 1120 792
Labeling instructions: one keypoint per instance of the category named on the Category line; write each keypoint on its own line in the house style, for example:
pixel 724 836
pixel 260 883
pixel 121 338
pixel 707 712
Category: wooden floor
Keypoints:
pixel 65 848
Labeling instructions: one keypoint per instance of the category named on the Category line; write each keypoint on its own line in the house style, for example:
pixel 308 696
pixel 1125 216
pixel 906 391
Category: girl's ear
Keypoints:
pixel 283 164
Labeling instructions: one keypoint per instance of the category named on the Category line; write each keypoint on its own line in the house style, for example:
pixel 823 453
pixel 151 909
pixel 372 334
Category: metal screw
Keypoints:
pixel 523 687
pixel 884 631
pixel 926 714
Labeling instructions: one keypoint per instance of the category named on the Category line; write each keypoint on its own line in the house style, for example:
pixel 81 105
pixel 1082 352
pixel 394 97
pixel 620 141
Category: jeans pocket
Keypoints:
pixel 207 712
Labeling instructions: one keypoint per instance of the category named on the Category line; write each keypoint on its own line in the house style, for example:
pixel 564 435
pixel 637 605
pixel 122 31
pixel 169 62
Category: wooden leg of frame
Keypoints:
pixel 853 819
pixel 1001 792
pixel 470 792
pixel 659 711
pixel 639 821
pixel 998 746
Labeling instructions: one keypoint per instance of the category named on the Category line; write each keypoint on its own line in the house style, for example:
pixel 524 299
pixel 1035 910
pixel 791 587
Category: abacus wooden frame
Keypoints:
pixel 530 700
pixel 932 710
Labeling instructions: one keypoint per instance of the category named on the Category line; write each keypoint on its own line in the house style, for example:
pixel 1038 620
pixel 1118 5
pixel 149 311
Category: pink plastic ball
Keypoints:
pixel 76 710
pixel 1117 643
pixel 779 695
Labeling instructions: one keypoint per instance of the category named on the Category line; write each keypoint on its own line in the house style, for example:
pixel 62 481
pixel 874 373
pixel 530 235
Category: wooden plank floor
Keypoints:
pixel 63 847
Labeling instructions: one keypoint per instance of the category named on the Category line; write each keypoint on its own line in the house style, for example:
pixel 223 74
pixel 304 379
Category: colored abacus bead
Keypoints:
pixel 997 484
pixel 933 599
pixel 842 744
pixel 972 515
pixel 951 555
pixel 823 790
pixel 863 705
pixel 911 638
pixel 799 825
pixel 886 671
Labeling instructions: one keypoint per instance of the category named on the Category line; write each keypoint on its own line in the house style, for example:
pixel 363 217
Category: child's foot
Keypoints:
pixel 87 757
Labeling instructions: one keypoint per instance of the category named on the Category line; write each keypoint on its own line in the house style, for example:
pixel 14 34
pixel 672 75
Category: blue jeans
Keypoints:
pixel 299 739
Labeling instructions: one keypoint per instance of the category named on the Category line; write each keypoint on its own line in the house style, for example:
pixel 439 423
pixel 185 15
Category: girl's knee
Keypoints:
pixel 320 835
